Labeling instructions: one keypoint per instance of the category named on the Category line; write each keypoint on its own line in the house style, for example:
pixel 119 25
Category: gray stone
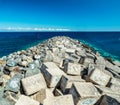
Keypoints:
pixel 11 63
pixel 4 101
pixel 107 100
pixel 31 72
pixel 32 65
pixel 14 83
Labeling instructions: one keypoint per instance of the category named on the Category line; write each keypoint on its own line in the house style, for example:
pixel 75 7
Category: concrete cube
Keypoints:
pixel 33 84
pixel 72 68
pixel 39 96
pixel 107 100
pixel 84 91
pixel 52 73
pixel 25 100
pixel 60 100
pixel 100 77
pixel 67 81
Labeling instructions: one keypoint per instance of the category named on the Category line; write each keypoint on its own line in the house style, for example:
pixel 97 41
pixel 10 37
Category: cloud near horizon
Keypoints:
pixel 33 29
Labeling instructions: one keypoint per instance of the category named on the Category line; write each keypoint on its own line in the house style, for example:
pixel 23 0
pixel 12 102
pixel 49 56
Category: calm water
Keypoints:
pixel 108 43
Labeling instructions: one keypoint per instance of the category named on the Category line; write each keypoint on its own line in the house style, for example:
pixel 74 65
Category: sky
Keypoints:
pixel 55 15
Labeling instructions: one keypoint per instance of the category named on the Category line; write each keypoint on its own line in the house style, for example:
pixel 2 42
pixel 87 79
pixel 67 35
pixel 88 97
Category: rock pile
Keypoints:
pixel 60 71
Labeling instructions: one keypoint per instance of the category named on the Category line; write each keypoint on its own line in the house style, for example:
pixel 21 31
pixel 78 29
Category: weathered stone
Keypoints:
pixel 115 81
pixel 107 100
pixel 115 87
pixel 91 67
pixel 72 69
pixel 57 92
pixel 11 63
pixel 36 57
pixel 100 63
pixel 49 56
pixel 113 67
pixel 70 50
pixel 23 63
pixel 12 97
pixel 82 60
pixel 60 100
pixel 25 100
pixel 84 91
pixel 2 62
pixel 33 84
pixel 88 61
pixel 11 68
pixel 100 77
pixel 31 72
pixel 114 96
pixel 51 73
pixel 4 101
pixel 105 90
pixel 57 60
pixel 55 51
pixel 116 63
pixel 87 101
pixel 32 65
pixel 39 96
pixel 14 83
pixel 67 81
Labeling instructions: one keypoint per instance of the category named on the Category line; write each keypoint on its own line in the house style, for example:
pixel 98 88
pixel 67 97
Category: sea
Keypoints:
pixel 107 43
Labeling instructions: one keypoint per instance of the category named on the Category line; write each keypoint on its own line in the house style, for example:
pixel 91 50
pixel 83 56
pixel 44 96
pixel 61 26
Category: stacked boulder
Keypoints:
pixel 59 71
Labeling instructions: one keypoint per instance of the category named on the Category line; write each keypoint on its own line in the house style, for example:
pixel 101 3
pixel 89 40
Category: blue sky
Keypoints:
pixel 76 15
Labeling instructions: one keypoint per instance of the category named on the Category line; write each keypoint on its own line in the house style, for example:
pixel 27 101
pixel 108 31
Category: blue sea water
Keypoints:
pixel 107 43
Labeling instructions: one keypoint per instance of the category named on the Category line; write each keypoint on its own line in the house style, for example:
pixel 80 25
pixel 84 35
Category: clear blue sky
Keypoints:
pixel 77 15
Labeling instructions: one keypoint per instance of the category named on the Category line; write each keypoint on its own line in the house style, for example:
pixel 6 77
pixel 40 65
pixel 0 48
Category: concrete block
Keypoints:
pixel 57 92
pixel 52 73
pixel 70 50
pixel 39 96
pixel 25 100
pixel 33 84
pixel 100 77
pixel 84 91
pixel 72 68
pixel 60 100
pixel 107 100
pixel 67 81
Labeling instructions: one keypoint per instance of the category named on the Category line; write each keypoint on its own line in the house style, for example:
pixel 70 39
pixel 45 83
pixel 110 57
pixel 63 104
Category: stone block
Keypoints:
pixel 115 87
pixel 105 90
pixel 39 96
pixel 100 77
pixel 72 68
pixel 71 51
pixel 57 92
pixel 84 91
pixel 25 100
pixel 115 81
pixel 33 84
pixel 52 73
pixel 60 100
pixel 67 81
pixel 107 100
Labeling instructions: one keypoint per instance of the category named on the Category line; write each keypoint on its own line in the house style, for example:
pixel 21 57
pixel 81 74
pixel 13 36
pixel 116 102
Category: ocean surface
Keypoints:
pixel 107 43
